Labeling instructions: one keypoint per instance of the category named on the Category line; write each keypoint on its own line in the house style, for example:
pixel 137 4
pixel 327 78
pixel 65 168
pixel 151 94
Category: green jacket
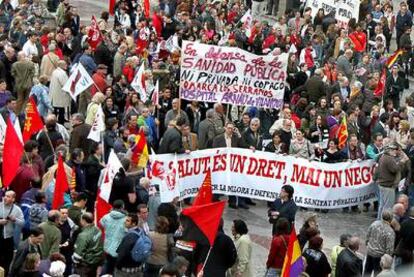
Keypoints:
pixel 89 246
pixel 52 239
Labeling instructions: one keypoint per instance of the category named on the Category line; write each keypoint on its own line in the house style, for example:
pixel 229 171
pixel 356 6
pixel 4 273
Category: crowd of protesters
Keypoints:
pixel 329 77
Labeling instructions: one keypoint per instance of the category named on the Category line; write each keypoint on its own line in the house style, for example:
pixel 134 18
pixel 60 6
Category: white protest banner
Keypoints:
pixel 344 9
pixel 79 80
pixel 261 175
pixel 231 75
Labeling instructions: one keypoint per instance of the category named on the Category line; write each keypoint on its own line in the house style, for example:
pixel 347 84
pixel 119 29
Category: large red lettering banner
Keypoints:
pixel 261 175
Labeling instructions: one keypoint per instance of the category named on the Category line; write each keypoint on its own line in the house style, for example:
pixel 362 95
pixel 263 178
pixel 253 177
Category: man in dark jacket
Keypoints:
pixel 403 20
pixel 348 263
pixel 125 265
pixel 206 131
pixel 172 141
pixel 315 87
pixel 283 207
pixel 405 247
pixel 79 135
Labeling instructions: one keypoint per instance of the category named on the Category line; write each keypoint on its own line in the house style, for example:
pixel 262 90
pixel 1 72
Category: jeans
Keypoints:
pixel 372 264
pixel 272 7
pixel 119 273
pixel 257 9
pixel 6 253
pixel 273 272
pixel 109 265
pixel 386 200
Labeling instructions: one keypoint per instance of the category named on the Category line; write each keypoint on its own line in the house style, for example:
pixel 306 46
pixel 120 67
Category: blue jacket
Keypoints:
pixel 41 92
pixel 114 226
pixel 88 63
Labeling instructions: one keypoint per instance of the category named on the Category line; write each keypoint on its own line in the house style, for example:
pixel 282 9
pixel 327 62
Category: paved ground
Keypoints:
pixel 331 225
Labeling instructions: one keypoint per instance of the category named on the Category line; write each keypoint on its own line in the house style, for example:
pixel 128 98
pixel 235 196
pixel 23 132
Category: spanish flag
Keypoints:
pixel 140 154
pixel 342 133
pixel 293 265
pixel 393 58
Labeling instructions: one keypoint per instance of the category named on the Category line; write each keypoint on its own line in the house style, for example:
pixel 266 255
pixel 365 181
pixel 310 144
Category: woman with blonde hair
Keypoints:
pixel 31 265
pixel 92 109
pixel 402 137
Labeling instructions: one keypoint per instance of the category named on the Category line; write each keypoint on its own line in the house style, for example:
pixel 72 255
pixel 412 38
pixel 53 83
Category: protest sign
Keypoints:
pixel 230 75
pixel 260 175
pixel 344 9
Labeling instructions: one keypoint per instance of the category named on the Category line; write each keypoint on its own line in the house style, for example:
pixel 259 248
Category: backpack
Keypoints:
pixel 142 247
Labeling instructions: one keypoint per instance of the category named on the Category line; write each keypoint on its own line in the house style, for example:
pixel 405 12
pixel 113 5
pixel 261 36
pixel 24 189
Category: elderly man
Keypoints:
pixel 23 72
pixel 61 100
pixel 349 262
pixel 343 64
pixel 206 131
pixel 286 113
pixel 119 60
pixel 380 241
pixel 49 61
pixel 11 217
pixel 53 236
pixel 175 112
pixel 80 132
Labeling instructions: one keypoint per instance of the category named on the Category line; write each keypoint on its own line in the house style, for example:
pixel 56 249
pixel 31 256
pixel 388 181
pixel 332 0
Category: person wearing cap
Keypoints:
pixel 388 175
pixel 99 79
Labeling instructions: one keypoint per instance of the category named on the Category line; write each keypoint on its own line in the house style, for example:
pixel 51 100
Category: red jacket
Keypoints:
pixel 277 251
pixel 100 81
pixel 359 39
pixel 157 23
pixel 129 73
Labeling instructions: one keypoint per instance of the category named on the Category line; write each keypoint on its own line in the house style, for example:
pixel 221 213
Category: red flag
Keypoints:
pixel 33 122
pixel 206 218
pixel 147 8
pixel 12 152
pixel 379 91
pixel 205 194
pixel 61 185
pixel 342 133
pixel 94 34
pixel 112 7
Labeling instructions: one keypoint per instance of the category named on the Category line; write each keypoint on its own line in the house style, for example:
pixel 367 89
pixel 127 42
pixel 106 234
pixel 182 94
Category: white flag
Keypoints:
pixel 79 80
pixel 3 127
pixel 138 84
pixel 247 21
pixel 98 125
pixel 170 181
pixel 155 97
pixel 18 130
pixel 110 171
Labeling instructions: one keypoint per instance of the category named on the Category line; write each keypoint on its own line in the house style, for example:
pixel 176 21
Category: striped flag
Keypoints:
pixel 342 133
pixel 393 58
pixel 293 264
pixel 140 154
pixel 155 97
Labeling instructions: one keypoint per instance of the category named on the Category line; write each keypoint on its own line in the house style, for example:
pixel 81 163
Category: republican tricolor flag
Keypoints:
pixel 393 58
pixel 293 264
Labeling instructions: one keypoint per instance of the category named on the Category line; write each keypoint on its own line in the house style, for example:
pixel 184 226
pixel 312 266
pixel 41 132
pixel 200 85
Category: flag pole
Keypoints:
pixel 208 255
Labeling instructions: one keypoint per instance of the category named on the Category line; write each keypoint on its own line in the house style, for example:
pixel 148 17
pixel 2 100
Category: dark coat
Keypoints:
pixel 220 141
pixel 248 139
pixel 171 142
pixel 315 88
pixel 45 149
pixel 206 134
pixel 348 264
pixel 222 256
pixel 24 249
pixel 79 138
pixel 286 210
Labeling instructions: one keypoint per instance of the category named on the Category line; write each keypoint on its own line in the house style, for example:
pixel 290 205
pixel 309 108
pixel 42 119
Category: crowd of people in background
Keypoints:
pixel 329 78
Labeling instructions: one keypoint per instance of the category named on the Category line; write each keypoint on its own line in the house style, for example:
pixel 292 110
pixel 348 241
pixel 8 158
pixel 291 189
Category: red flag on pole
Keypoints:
pixel 94 34
pixel 33 122
pixel 379 91
pixel 147 8
pixel 205 194
pixel 61 185
pixel 12 152
pixel 206 218
pixel 112 7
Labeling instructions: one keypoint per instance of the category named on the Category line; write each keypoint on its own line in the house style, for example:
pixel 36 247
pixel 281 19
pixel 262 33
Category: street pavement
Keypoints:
pixel 331 225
